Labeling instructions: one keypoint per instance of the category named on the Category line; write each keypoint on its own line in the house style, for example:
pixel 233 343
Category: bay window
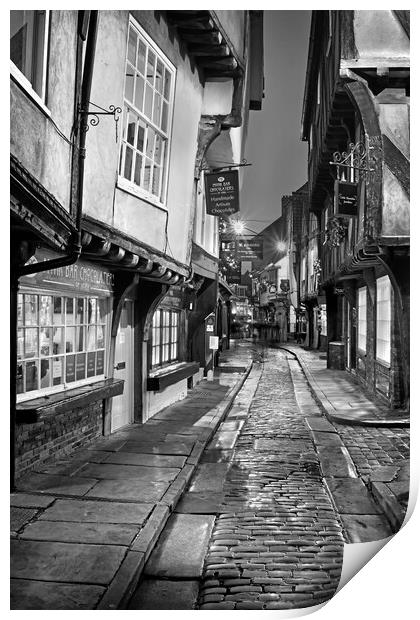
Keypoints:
pixel 148 102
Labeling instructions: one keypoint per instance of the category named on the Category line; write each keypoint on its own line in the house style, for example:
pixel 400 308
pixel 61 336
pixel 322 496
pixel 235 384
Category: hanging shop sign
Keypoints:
pixel 250 249
pixel 82 276
pixel 285 285
pixel 222 193
pixel 346 198
pixel 214 343
pixel 233 275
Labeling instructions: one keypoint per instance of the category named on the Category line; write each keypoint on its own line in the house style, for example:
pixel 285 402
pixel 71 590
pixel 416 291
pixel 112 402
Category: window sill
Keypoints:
pixel 26 86
pixel 137 192
pixel 37 409
pixel 159 380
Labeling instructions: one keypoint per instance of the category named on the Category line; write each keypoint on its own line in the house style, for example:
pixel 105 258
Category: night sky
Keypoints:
pixel 273 145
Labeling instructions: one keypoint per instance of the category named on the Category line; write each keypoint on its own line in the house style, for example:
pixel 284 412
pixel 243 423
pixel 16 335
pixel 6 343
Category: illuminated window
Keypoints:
pixel 28 47
pixel 61 341
pixel 383 319
pixel 361 318
pixel 165 337
pixel 148 103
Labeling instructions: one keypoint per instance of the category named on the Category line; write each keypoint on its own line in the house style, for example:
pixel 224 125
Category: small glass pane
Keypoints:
pixel 45 310
pixel 157 107
pixel 164 121
pixel 45 373
pixel 58 340
pixel 165 353
pixel 159 146
pixel 31 342
pixel 167 86
pixel 80 310
pixel 57 316
pixel 151 58
pixel 137 169
pixel 131 128
pixel 128 163
pixel 91 361
pixel 148 101
pixel 100 337
pixel 70 339
pixel 31 376
pixel 92 311
pixel 91 338
pixel 129 82
pixel 45 344
pixel 20 309
pixel 70 368
pixel 80 366
pixel 19 379
pixel 141 57
pixel 57 364
pixel 69 311
pixel 147 174
pixel 101 310
pixel 132 45
pixel 159 76
pixel 156 180
pixel 140 135
pixel 138 99
pixel 20 343
pixel 79 338
pixel 100 357
pixel 31 310
pixel 150 146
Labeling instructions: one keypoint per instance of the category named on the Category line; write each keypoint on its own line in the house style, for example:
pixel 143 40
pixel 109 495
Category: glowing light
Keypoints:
pixel 238 227
pixel 281 246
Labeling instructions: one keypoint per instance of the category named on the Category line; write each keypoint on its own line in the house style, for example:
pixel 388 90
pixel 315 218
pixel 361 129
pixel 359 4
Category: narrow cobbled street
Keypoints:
pixel 274 537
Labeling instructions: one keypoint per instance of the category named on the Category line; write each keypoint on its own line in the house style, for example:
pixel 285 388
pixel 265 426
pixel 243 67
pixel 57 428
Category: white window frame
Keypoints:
pixel 128 184
pixel 25 83
pixel 383 308
pixel 362 319
pixel 157 360
pixel 64 386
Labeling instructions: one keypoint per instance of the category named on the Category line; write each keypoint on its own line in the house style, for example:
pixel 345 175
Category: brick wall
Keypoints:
pixel 56 435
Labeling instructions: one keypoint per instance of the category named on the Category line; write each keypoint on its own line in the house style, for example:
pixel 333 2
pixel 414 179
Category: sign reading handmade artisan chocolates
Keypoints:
pixel 346 198
pixel 222 193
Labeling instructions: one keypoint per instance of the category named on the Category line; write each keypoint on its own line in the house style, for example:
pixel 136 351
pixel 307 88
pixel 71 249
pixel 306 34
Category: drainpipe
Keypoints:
pixel 19 271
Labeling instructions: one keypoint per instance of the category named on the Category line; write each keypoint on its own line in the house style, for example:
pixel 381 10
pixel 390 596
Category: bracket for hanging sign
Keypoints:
pixel 355 159
pixel 112 111
pixel 227 167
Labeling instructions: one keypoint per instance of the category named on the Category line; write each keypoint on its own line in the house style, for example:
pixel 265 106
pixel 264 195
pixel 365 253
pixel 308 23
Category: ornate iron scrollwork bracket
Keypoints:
pixel 357 158
pixel 95 114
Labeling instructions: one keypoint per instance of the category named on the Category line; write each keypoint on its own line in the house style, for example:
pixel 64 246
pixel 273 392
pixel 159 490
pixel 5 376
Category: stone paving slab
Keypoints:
pixel 129 490
pixel 351 496
pixel 169 448
pixel 320 424
pixel 28 500
pixel 56 485
pixel 224 440
pixel 28 594
pixel 165 594
pixel 111 471
pixel 204 502
pixel 336 461
pixel 65 562
pixel 174 555
pixel 148 460
pixel 365 528
pixel 20 516
pixel 96 533
pixel 216 456
pixel 91 511
pixel 209 477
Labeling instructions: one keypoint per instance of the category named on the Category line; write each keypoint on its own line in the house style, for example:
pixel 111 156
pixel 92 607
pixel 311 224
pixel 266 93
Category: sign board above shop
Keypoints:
pixel 346 198
pixel 222 193
pixel 81 276
pixel 249 249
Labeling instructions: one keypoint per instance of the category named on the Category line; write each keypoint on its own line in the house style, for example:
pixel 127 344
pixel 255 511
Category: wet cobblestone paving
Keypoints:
pixel 278 542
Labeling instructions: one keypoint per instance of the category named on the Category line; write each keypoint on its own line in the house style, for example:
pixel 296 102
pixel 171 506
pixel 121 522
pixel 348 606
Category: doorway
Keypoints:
pixel 123 405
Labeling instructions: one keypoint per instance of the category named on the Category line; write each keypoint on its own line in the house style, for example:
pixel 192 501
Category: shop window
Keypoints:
pixel 148 103
pixel 60 341
pixel 28 47
pixel 362 318
pixel 165 337
pixel 383 319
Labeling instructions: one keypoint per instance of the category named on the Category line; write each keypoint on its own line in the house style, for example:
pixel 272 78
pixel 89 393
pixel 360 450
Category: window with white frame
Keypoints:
pixel 148 103
pixel 28 48
pixel 383 319
pixel 165 336
pixel 60 341
pixel 362 318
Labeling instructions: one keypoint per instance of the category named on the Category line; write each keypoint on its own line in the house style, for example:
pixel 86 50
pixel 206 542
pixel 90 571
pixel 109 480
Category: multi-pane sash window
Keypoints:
pixel 61 340
pixel 361 318
pixel 28 30
pixel 383 319
pixel 165 337
pixel 148 99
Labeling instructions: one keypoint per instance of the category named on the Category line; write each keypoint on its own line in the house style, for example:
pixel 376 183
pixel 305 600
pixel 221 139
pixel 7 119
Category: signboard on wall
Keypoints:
pixel 214 343
pixel 250 249
pixel 346 198
pixel 222 193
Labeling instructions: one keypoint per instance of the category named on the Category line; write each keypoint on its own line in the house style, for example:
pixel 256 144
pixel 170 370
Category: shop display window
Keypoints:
pixel 383 319
pixel 361 318
pixel 60 341
pixel 165 337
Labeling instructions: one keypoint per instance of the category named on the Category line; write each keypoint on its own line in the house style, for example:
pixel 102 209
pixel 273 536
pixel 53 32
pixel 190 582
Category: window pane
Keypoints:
pixel 156 180
pixel 167 85
pixel 141 57
pixel 132 45
pixel 31 376
pixel 20 343
pixel 69 301
pixel 70 368
pixel 91 339
pixel 157 107
pixel 57 316
pixel 140 135
pixel 129 82
pixel 19 379
pixel 79 338
pixel 100 356
pixel 31 342
pixel 70 339
pixel 164 122
pixel 20 309
pixel 151 58
pixel 80 366
pixel 57 364
pixel 138 100
pixel 45 310
pixel 128 163
pixel 159 147
pixel 131 128
pixel 100 337
pixel 137 169
pixel 148 101
pixel 159 76
pixel 31 310
pixel 27 39
pixel 101 308
pixel 45 341
pixel 91 361
pixel 80 310
pixel 58 340
pixel 147 174
pixel 45 373
pixel 150 146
